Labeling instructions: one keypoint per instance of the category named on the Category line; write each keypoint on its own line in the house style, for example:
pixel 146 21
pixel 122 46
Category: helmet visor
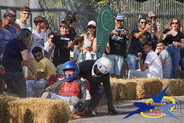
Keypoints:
pixel 97 71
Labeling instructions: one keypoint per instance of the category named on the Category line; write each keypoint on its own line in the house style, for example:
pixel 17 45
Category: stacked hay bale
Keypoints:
pixel 146 87
pixel 34 110
pixel 176 86
pixel 126 88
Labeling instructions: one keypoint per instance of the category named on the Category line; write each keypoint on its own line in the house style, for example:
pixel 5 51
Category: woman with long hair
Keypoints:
pixel 174 40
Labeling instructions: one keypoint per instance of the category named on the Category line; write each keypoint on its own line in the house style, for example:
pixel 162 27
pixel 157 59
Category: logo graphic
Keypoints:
pixel 156 107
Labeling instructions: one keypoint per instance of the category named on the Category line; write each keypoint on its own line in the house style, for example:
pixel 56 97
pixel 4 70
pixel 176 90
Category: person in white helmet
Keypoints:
pixel 97 72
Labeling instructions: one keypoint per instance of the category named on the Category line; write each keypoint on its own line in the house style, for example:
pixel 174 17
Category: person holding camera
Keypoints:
pixel 139 36
pixel 174 40
pixel 156 34
pixel 117 42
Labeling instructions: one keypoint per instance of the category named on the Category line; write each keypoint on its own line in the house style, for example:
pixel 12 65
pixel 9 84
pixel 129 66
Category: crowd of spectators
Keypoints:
pixel 152 53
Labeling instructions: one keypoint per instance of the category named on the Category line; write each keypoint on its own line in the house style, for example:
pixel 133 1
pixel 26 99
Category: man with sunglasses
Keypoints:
pixel 117 42
pixel 156 34
pixel 139 35
pixel 13 13
pixel 97 72
pixel 24 16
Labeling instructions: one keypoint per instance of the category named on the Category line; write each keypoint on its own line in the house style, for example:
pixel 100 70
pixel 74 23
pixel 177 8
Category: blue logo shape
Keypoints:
pixel 156 99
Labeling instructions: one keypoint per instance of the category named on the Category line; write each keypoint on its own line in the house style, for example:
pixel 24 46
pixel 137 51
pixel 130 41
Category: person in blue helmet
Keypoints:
pixel 71 88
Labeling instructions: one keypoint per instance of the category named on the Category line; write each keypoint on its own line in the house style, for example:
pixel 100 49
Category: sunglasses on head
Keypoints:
pixel 153 17
pixel 174 23
pixel 118 21
pixel 143 22
pixel 91 27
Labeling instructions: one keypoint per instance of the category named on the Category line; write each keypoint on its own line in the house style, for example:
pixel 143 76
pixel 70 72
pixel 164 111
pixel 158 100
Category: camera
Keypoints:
pixel 154 25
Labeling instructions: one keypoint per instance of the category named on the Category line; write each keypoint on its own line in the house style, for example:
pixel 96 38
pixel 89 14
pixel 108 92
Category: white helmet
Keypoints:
pixel 104 66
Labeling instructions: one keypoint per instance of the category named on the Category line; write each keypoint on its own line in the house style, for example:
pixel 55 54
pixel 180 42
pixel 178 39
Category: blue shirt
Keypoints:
pixel 5 37
pixel 12 57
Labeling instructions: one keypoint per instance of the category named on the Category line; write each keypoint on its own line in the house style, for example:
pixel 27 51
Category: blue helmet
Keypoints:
pixel 70 65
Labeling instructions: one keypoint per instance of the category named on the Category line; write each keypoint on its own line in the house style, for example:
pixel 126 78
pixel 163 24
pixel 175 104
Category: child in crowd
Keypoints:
pixel 76 54
pixel 47 46
pixel 38 36
pixel 153 63
pixel 165 59
pixel 63 43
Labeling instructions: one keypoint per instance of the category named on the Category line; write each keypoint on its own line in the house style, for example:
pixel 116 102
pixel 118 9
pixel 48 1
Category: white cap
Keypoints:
pixel 92 23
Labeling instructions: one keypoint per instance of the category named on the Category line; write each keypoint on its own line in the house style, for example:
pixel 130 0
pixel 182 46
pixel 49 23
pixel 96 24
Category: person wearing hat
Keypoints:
pixel 89 38
pixel 117 42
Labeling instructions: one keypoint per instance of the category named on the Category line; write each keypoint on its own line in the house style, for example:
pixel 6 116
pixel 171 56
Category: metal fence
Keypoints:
pixel 51 9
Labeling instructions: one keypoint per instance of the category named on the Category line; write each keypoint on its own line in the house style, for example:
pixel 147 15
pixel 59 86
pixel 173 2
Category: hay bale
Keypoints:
pixel 37 110
pixel 146 87
pixel 126 88
pixel 3 107
pixel 176 86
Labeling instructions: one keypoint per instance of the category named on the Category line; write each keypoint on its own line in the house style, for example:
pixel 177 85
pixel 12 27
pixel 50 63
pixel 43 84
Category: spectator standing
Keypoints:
pixel 62 42
pixel 117 42
pixel 14 15
pixel 6 32
pixel 16 55
pixel 47 45
pixel 24 16
pixel 165 59
pixel 76 54
pixel 138 37
pixel 174 40
pixel 89 37
pixel 72 19
pixel 156 34
pixel 153 63
pixel 38 37
pixel 44 69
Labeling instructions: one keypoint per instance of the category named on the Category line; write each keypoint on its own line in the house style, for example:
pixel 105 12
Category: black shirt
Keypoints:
pixel 61 51
pixel 85 72
pixel 170 38
pixel 118 44
pixel 12 57
pixel 136 44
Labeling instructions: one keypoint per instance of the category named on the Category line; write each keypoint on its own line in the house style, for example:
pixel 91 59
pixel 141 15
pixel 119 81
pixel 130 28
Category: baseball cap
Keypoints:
pixel 92 23
pixel 120 17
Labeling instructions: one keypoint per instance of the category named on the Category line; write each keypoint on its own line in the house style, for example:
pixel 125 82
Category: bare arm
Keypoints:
pixel 50 50
pixel 27 61
pixel 144 66
pixel 94 45
pixel 140 34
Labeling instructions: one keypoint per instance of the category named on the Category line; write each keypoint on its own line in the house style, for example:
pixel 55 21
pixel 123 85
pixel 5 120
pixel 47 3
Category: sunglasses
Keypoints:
pixel 9 15
pixel 91 27
pixel 143 22
pixel 120 22
pixel 174 23
pixel 153 17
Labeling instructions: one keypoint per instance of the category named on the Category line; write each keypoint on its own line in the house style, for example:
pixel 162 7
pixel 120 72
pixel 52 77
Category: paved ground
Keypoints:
pixel 126 107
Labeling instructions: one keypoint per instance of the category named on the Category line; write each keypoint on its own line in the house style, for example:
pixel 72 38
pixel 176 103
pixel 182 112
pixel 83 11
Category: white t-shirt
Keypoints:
pixel 154 65
pixel 38 39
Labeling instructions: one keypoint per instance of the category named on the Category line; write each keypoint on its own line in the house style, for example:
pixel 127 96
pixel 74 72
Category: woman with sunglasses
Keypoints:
pixel 89 37
pixel 174 40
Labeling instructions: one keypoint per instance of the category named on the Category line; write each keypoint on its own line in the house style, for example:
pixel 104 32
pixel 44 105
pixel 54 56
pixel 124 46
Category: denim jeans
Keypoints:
pixel 132 62
pixel 174 52
pixel 66 99
pixel 138 74
pixel 117 63
pixel 33 87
